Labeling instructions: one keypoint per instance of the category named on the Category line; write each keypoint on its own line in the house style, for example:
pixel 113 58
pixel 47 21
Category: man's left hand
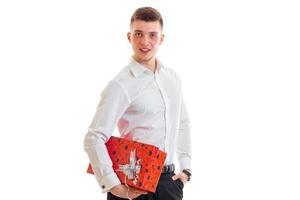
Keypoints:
pixel 182 176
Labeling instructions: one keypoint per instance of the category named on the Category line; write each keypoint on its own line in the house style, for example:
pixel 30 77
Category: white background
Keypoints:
pixel 239 63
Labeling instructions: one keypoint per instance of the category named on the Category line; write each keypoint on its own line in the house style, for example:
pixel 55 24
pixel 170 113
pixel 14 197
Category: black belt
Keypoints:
pixel 168 168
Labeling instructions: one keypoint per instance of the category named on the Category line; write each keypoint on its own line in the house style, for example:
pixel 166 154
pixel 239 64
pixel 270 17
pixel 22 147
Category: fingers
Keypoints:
pixel 135 193
pixel 183 177
pixel 138 191
pixel 175 177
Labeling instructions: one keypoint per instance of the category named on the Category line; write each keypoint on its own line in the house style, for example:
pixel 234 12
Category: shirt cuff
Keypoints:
pixel 185 163
pixel 109 181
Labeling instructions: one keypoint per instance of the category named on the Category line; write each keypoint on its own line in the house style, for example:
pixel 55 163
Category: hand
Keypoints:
pixel 182 176
pixel 121 191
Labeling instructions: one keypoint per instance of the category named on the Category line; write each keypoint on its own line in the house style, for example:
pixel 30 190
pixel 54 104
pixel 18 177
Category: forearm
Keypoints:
pixel 94 145
pixel 184 139
pixel 184 149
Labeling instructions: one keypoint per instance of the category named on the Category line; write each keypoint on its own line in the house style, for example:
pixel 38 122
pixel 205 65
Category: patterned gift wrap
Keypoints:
pixel 136 164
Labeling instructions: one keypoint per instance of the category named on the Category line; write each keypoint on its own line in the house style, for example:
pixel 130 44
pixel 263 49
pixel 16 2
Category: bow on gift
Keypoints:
pixel 132 169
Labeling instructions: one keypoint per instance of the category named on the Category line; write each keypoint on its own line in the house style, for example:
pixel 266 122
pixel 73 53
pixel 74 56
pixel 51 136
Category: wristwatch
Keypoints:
pixel 188 173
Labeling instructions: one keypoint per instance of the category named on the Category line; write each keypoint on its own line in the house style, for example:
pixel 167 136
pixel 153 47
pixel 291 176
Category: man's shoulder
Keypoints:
pixel 125 80
pixel 172 74
pixel 124 76
pixel 168 68
pixel 170 71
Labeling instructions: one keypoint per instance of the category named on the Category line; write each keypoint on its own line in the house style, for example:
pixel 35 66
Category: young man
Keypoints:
pixel 145 101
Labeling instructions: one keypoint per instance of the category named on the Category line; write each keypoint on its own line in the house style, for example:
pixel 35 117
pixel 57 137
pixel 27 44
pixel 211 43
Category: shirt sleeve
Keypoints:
pixel 183 149
pixel 113 103
pixel 183 144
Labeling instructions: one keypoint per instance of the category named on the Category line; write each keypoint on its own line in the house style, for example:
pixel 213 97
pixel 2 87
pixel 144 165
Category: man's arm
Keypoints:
pixel 183 149
pixel 114 101
pixel 183 145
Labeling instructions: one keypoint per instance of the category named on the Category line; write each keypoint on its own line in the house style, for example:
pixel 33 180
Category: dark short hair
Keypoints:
pixel 147 14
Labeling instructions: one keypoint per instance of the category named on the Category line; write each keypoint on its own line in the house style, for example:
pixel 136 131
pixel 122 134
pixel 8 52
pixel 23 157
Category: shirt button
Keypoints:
pixel 103 186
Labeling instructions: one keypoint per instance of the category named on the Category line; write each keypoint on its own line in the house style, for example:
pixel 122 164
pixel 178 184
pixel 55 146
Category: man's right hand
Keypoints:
pixel 121 191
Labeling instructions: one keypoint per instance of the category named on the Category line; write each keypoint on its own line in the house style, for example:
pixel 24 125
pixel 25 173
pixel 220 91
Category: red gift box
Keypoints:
pixel 136 164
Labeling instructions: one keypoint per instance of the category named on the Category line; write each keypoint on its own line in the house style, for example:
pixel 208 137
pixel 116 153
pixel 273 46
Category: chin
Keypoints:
pixel 142 59
pixel 146 58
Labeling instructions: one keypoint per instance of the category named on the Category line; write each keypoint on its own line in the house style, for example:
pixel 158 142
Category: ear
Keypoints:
pixel 129 36
pixel 162 38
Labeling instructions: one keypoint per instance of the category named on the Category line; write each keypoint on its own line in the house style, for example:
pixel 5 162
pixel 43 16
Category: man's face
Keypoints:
pixel 145 38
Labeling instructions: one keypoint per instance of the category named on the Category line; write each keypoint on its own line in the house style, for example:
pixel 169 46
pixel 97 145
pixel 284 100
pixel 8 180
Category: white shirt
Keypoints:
pixel 146 107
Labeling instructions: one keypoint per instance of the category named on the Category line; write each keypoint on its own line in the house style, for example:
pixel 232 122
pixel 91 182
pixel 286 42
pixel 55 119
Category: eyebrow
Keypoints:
pixel 139 31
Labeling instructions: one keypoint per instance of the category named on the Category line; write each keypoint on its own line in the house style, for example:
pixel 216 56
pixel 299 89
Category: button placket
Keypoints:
pixel 165 99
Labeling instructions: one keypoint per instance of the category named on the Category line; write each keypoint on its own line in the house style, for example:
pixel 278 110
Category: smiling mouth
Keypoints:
pixel 145 50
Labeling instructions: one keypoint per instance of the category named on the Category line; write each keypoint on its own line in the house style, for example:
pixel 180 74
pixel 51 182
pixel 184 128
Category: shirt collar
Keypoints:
pixel 137 69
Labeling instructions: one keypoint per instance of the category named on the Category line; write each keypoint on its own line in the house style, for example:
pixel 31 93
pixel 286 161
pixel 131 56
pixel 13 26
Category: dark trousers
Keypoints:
pixel 167 189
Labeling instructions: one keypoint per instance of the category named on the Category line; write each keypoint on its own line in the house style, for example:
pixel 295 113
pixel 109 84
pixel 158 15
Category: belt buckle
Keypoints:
pixel 168 168
pixel 171 168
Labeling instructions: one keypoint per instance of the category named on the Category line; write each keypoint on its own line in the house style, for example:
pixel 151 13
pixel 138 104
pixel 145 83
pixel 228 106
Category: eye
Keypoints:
pixel 153 35
pixel 138 34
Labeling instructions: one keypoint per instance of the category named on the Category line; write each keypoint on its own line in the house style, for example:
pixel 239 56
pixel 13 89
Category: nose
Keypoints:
pixel 145 40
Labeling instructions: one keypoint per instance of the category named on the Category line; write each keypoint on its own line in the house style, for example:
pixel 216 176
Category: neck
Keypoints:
pixel 150 64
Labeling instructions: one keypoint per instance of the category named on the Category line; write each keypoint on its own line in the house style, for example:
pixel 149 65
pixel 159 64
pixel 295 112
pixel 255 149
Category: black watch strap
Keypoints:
pixel 188 173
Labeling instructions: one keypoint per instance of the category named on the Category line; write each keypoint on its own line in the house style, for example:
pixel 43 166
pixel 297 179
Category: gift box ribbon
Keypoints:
pixel 132 169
